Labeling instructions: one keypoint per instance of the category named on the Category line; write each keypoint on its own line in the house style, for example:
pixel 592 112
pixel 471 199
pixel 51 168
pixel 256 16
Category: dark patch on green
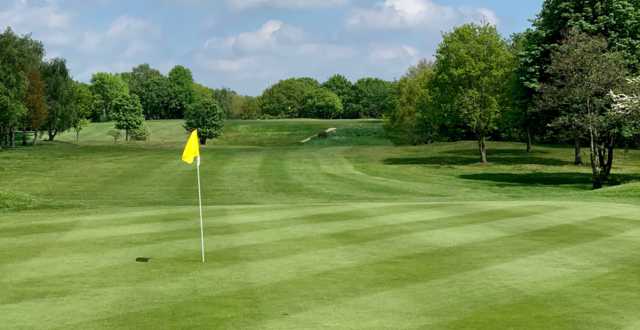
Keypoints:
pixel 543 178
pixel 460 161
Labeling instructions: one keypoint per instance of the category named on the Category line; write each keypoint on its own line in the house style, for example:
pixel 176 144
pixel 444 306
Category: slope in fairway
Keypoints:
pixel 348 232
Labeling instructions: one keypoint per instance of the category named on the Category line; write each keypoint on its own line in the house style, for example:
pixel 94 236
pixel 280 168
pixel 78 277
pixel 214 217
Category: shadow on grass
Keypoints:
pixel 547 179
pixel 497 152
pixel 525 159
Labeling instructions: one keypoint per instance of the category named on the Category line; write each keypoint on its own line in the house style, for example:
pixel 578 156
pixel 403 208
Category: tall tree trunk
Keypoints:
pixel 483 149
pixel 597 159
pixel 52 133
pixel 529 142
pixel 610 149
pixel 578 152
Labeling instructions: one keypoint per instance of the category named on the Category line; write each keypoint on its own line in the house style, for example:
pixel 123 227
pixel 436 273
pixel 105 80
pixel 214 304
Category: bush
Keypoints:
pixel 115 134
pixel 140 134
pixel 207 117
pixel 321 103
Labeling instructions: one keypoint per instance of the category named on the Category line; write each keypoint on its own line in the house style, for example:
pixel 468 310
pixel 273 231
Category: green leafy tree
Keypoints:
pixel 202 92
pixel 19 55
pixel 473 65
pixel 59 91
pixel 342 87
pixel 618 21
pixel 106 88
pixel 181 91
pixel 152 88
pixel 247 107
pixel 372 98
pixel 225 97
pixel 405 124
pixel 205 115
pixel 82 105
pixel 321 103
pixel 525 86
pixel 128 114
pixel 36 104
pixel 286 98
pixel 584 72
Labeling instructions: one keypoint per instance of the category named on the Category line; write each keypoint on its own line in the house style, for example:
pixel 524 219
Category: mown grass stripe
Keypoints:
pixel 231 285
pixel 506 288
pixel 253 306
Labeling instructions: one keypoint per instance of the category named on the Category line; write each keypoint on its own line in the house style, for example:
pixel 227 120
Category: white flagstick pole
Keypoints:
pixel 200 204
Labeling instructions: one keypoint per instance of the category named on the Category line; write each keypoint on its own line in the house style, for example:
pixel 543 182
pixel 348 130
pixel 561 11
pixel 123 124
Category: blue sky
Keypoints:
pixel 247 45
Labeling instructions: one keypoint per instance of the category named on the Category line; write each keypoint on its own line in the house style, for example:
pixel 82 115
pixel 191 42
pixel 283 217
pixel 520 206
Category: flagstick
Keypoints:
pixel 200 204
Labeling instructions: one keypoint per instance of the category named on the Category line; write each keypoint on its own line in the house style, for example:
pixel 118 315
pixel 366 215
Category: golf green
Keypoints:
pixel 347 232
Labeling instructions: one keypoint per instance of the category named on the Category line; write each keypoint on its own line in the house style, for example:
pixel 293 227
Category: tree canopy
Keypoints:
pixel 470 83
pixel 205 115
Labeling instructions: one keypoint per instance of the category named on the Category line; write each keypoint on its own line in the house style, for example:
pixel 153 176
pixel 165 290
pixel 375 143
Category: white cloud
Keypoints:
pixel 127 27
pixel 274 51
pixel 46 20
pixel 272 34
pixel 380 54
pixel 229 65
pixel 405 14
pixel 293 4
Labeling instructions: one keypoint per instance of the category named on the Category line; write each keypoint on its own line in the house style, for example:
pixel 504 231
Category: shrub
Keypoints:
pixel 140 134
pixel 115 134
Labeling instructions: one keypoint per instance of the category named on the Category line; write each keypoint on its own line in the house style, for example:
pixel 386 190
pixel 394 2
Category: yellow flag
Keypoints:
pixel 192 149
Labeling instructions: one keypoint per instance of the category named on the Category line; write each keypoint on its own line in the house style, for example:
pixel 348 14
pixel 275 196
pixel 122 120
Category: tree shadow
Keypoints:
pixel 497 152
pixel 547 179
pixel 460 160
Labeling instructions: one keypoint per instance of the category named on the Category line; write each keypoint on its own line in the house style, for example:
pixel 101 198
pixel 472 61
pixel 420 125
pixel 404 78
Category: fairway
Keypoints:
pixel 347 232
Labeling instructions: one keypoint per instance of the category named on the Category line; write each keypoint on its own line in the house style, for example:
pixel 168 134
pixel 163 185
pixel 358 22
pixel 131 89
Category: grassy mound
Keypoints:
pixel 236 132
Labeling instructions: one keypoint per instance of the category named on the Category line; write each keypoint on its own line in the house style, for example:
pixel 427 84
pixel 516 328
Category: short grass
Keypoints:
pixel 345 232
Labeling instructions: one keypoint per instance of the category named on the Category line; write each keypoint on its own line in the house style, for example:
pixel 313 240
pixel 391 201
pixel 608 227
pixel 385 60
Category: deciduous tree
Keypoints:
pixel 373 98
pixel 342 87
pixel 127 114
pixel 205 115
pixel 286 98
pixel 321 103
pixel 583 73
pixel 406 123
pixel 181 91
pixel 36 103
pixel 19 55
pixel 106 88
pixel 59 92
pixel 473 65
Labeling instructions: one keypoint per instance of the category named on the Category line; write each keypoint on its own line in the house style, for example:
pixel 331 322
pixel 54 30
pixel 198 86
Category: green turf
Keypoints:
pixel 345 232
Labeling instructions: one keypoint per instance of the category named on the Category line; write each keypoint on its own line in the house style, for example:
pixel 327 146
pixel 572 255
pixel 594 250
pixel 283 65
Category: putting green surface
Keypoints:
pixel 348 232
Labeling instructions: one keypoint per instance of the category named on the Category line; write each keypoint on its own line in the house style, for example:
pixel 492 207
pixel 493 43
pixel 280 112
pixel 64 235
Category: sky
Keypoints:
pixel 247 45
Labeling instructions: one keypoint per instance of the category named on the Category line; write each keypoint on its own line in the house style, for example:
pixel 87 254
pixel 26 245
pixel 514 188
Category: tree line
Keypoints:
pixel 336 98
pixel 567 79
pixel 38 95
